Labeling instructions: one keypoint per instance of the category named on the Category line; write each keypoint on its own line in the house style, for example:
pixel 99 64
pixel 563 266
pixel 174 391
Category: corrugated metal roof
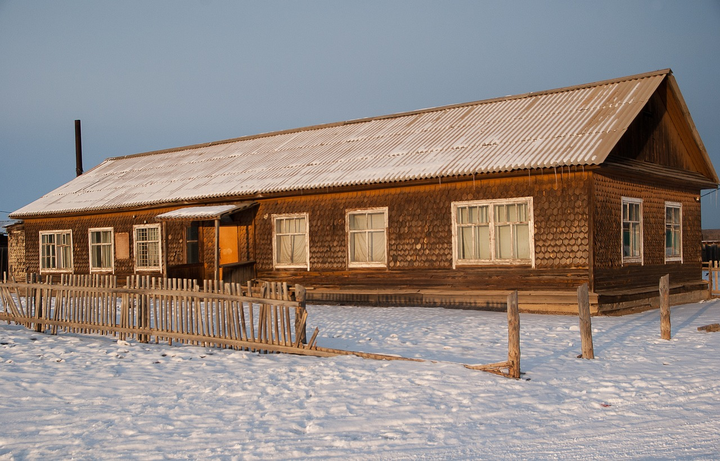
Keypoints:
pixel 568 126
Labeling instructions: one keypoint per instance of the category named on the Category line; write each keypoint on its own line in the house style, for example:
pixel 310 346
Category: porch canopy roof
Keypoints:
pixel 204 213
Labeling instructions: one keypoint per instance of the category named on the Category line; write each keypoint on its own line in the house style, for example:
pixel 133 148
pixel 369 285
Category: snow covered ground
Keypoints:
pixel 84 397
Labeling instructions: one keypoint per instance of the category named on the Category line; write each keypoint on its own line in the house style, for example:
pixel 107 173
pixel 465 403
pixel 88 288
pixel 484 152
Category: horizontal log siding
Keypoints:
pixel 610 273
pixel 420 235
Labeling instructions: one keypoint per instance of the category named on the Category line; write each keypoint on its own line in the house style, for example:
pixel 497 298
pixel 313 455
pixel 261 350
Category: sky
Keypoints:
pixel 144 76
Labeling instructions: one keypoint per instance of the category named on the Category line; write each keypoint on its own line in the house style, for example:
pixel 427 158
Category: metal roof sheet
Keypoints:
pixel 568 126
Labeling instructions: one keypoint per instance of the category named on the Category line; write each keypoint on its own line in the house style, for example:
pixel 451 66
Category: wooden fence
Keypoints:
pixel 266 317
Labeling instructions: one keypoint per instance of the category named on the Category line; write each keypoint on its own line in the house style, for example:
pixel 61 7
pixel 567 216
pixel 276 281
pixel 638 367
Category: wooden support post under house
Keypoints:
pixel 665 332
pixel 513 335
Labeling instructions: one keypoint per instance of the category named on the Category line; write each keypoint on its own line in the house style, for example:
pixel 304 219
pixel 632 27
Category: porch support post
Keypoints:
pixel 217 249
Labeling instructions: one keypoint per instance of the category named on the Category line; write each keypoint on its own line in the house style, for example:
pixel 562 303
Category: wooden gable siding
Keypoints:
pixel 660 135
pixel 609 271
pixel 419 234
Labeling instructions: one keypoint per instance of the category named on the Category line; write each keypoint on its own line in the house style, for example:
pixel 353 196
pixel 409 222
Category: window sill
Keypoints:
pixel 367 266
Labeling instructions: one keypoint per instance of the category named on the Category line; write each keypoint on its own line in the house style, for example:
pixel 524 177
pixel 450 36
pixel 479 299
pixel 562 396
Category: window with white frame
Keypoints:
pixel 493 232
pixel 367 231
pixel 147 247
pixel 56 251
pixel 673 231
pixel 632 232
pixel 101 249
pixel 290 241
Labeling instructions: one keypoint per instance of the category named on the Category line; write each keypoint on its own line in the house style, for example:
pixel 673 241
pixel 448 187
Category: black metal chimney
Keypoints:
pixel 78 149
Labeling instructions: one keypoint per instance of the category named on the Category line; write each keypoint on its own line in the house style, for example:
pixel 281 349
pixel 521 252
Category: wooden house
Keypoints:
pixel 449 206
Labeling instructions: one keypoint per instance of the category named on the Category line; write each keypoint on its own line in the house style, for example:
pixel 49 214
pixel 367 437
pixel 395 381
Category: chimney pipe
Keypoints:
pixel 78 149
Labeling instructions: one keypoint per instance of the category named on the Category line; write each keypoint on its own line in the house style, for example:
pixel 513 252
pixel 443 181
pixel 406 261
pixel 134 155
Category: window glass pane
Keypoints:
pixel 377 221
pixel 358 247
pixel 482 244
pixel 522 209
pixel 635 239
pixel 358 221
pixel 284 249
pixel 192 248
pixel 512 215
pixel 626 239
pixel 522 241
pixel 462 215
pixel 483 216
pixel 377 246
pixel 472 214
pixel 64 257
pixel 503 242
pixel 465 246
pixel 298 249
pixel 193 232
pixel 500 213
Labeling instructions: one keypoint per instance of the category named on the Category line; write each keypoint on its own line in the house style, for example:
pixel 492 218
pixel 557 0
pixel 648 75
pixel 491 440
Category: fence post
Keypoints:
pixel 665 307
pixel 513 335
pixel 585 323
pixel 300 327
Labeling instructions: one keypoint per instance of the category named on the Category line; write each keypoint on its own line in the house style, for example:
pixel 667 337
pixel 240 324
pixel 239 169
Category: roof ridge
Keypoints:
pixel 666 71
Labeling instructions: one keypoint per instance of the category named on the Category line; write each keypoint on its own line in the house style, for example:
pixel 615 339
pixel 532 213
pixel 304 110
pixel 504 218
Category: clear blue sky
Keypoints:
pixel 147 75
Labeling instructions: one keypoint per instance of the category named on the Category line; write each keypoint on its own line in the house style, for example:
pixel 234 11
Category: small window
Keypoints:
pixel 101 249
pixel 493 232
pixel 147 247
pixel 192 244
pixel 632 244
pixel 56 251
pixel 673 231
pixel 291 241
pixel 367 231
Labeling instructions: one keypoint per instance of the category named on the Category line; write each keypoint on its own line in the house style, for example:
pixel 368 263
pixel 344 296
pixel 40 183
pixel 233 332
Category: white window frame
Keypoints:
pixel 493 261
pixel 348 232
pixel 135 248
pixel 110 269
pixel 631 259
pixel 275 219
pixel 674 258
pixel 56 269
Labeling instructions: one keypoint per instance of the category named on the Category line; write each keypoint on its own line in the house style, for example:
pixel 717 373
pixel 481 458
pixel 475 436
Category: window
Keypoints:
pixel 147 247
pixel 632 247
pixel 56 251
pixel 366 237
pixel 192 244
pixel 291 241
pixel 101 249
pixel 493 232
pixel 673 231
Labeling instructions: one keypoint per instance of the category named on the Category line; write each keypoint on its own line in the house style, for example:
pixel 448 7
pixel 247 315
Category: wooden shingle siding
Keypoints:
pixel 610 273
pixel 419 234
